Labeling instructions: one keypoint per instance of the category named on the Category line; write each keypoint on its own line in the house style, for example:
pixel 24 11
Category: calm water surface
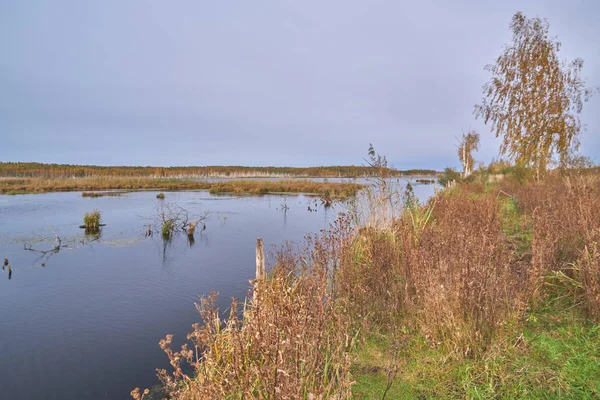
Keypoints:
pixel 87 324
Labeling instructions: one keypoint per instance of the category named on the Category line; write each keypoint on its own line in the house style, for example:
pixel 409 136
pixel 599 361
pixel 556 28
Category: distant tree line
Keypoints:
pixel 40 170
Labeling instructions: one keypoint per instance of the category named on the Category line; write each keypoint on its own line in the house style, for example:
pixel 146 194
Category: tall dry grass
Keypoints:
pixel 453 271
pixel 291 340
pixel 565 218
pixel 449 278
pixel 465 290
pixel 588 268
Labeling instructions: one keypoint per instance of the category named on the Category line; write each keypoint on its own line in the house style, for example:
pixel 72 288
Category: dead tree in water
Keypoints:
pixel 45 254
pixel 173 217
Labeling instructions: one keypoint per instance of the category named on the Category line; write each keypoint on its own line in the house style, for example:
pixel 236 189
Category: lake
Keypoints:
pixel 86 323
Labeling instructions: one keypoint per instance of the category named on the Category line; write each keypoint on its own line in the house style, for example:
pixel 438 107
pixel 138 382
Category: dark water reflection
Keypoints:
pixel 87 323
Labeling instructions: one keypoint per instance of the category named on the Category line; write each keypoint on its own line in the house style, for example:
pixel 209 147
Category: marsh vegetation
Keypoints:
pixel 92 221
pixel 255 187
pixel 468 280
pixel 52 171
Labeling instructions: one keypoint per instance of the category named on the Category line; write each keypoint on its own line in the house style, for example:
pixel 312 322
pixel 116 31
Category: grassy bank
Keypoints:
pixel 483 292
pixel 40 185
pixel 506 300
pixel 553 356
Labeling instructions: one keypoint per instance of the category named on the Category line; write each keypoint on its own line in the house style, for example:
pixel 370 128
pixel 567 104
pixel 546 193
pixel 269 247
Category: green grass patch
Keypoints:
pixel 553 354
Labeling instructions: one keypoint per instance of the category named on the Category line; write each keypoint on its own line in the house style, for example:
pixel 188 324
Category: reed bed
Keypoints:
pixel 256 187
pixel 333 189
pixel 32 169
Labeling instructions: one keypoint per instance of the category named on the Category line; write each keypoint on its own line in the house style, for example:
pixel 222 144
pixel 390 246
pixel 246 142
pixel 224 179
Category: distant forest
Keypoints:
pixel 39 170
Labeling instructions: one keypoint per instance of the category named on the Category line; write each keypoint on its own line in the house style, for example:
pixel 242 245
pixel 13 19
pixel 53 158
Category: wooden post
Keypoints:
pixel 260 260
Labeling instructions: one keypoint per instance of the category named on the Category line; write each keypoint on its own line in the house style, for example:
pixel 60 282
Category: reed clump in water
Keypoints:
pixel 92 221
pixel 160 196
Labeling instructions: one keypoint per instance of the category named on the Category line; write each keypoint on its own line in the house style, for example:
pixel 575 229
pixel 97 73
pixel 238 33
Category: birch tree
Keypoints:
pixel 534 99
pixel 467 145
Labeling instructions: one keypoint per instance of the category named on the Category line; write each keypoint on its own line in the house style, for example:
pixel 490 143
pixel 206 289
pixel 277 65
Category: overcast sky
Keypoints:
pixel 128 82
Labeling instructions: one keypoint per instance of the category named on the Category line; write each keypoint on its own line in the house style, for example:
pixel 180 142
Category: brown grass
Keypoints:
pixel 461 272
pixel 290 341
pixel 565 215
pixel 450 278
pixel 40 185
pixel 39 170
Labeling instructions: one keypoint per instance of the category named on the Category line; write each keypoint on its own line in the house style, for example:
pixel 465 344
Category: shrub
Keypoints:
pixel 449 175
pixel 521 174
